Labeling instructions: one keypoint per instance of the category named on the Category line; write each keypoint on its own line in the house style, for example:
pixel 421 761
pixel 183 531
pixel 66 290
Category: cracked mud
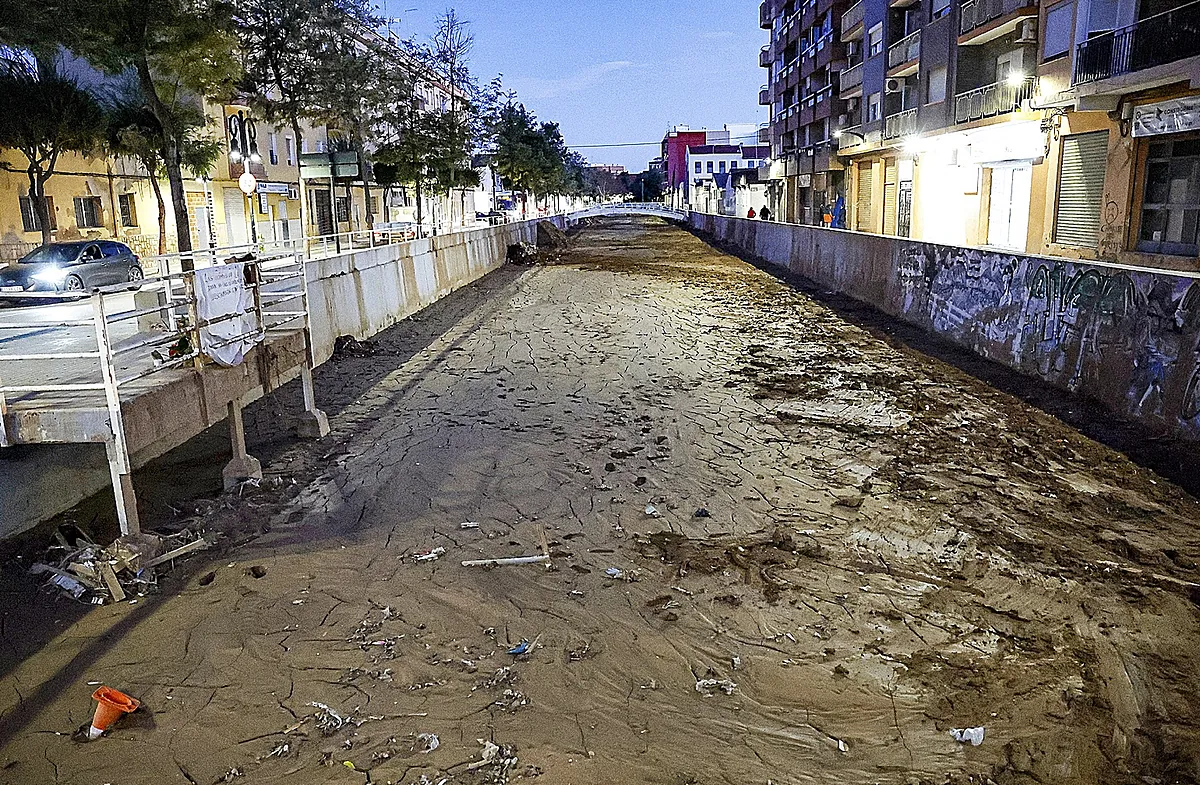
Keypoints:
pixel 783 550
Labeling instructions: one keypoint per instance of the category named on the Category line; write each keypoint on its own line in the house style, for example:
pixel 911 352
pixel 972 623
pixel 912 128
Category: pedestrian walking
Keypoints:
pixel 750 214
pixel 764 213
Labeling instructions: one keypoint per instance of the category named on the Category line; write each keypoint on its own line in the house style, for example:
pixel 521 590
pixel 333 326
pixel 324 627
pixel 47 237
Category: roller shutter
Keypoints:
pixel 1081 189
pixel 863 220
pixel 889 196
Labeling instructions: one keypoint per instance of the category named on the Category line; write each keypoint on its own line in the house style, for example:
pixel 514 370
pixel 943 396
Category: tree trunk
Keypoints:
pixel 183 228
pixel 37 198
pixel 162 213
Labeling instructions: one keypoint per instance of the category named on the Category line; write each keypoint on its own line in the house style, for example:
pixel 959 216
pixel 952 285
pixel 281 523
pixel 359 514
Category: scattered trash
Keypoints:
pixel 737 662
pixel 702 513
pixel 96 575
pixel 706 687
pixel 469 525
pixel 500 759
pixel 614 573
pixel 519 649
pixel 430 741
pixel 972 735
pixel 433 555
pixel 328 720
pixel 507 561
pixel 843 746
pixel 652 511
pixel 111 705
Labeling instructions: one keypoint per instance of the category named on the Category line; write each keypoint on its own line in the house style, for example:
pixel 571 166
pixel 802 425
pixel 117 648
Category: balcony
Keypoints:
pixel 995 99
pixel 850 137
pixel 900 124
pixel 764 133
pixel 986 20
pixel 904 54
pixel 764 15
pixel 1156 40
pixel 852 22
pixel 764 96
pixel 764 57
pixel 850 82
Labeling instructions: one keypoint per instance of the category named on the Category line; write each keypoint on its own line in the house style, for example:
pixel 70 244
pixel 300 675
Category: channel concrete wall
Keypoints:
pixel 1127 338
pixel 356 293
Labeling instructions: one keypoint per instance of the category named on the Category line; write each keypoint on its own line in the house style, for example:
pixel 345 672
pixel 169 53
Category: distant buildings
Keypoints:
pixel 615 170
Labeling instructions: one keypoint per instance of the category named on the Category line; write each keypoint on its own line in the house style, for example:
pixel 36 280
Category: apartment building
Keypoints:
pixel 675 145
pixel 1060 127
pixel 803 60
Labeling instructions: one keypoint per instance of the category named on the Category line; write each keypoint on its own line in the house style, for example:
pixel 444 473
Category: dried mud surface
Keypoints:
pixel 826 553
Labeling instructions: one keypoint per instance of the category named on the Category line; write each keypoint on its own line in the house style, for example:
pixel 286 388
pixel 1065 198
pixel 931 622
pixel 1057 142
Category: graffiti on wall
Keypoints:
pixel 1099 331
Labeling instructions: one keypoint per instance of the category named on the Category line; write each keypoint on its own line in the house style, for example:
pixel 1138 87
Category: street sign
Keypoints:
pixel 248 183
pixel 322 166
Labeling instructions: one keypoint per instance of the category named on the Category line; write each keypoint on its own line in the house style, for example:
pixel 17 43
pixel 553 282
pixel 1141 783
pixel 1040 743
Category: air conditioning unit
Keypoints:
pixel 1027 31
pixel 895 85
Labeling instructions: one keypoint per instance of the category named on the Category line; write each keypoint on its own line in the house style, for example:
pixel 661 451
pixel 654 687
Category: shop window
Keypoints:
pixel 88 212
pixel 29 216
pixel 1171 199
pixel 125 203
pixel 1060 27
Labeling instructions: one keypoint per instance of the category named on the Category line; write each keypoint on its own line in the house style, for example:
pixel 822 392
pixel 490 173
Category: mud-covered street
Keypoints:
pixel 783 550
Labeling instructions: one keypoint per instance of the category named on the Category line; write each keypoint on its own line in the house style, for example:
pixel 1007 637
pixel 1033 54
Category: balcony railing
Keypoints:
pixel 977 13
pixel 850 137
pixel 905 50
pixel 764 56
pixel 1155 40
pixel 764 133
pixel 900 124
pixel 851 78
pixel 764 96
pixel 764 15
pixel 852 18
pixel 994 99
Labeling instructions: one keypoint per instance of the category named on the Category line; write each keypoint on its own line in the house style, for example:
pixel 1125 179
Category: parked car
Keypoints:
pixel 75 267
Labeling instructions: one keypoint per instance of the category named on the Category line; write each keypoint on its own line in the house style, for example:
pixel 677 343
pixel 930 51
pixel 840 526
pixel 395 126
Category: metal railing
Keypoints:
pixel 905 50
pixel 853 17
pixel 900 124
pixel 765 57
pixel 1156 40
pixel 977 13
pixel 993 99
pixel 851 78
pixel 850 137
pixel 764 96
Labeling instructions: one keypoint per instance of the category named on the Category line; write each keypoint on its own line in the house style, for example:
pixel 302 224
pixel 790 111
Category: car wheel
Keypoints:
pixel 136 274
pixel 74 283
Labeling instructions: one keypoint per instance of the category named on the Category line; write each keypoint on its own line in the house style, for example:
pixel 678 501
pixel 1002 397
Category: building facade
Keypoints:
pixel 1062 127
pixel 674 156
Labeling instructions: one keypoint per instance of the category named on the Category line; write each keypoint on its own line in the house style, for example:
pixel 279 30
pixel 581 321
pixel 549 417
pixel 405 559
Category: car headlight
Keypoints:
pixel 55 276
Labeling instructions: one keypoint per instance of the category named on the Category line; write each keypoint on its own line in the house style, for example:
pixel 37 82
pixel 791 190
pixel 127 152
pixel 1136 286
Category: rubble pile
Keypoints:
pixel 126 569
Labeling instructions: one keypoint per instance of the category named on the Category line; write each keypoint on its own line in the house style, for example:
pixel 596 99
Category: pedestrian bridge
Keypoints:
pixel 657 209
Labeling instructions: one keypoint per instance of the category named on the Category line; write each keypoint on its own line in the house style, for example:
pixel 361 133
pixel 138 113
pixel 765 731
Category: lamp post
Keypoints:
pixel 243 151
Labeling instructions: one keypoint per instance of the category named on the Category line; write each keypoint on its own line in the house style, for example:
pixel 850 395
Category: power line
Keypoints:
pixel 643 144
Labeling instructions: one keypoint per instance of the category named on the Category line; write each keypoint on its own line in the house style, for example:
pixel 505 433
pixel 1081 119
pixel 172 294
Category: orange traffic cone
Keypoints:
pixel 110 704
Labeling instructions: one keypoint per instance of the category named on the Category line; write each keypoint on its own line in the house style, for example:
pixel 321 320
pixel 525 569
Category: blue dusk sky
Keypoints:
pixel 614 71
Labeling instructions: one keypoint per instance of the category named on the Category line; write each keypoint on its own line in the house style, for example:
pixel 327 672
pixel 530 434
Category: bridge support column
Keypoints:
pixel 122 484
pixel 242 467
pixel 313 422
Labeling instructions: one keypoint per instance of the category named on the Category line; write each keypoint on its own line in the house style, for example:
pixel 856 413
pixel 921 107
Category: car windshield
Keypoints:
pixel 51 253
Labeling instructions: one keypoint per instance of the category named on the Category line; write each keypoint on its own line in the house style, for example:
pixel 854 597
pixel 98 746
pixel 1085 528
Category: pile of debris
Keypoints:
pixel 128 568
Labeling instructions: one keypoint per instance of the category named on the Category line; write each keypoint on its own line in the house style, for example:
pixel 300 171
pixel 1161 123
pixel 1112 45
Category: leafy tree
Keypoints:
pixel 529 156
pixel 134 132
pixel 297 56
pixel 180 51
pixel 43 114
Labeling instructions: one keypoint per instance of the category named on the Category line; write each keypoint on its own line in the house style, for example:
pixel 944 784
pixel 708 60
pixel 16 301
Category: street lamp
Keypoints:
pixel 248 183
pixel 243 150
pixel 838 134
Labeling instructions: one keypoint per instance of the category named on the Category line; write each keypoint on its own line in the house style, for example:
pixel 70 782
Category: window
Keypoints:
pixel 29 217
pixel 1171 201
pixel 722 167
pixel 274 148
pixel 303 145
pixel 1060 23
pixel 128 209
pixel 733 165
pixel 935 85
pixel 710 167
pixel 875 40
pixel 1080 189
pixel 288 150
pixel 939 9
pixel 343 209
pixel 88 212
pixel 873 108
pixel 112 249
pixel 699 168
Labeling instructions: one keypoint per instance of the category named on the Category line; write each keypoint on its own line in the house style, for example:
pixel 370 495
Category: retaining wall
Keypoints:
pixel 357 293
pixel 1127 338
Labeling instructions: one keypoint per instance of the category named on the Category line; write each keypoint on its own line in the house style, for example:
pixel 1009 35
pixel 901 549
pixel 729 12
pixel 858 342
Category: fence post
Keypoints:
pixel 189 289
pixel 4 442
pixel 119 466
pixel 313 422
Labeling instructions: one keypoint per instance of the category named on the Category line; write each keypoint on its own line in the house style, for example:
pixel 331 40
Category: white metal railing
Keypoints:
pixel 852 17
pixel 993 99
pixel 900 124
pixel 905 50
pixel 851 78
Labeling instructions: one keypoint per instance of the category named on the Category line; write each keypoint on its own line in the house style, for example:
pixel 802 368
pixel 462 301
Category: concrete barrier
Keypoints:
pixel 357 293
pixel 1125 337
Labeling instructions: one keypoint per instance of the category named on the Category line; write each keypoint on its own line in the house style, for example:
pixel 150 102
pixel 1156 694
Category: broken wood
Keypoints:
pixel 182 550
pixel 110 580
